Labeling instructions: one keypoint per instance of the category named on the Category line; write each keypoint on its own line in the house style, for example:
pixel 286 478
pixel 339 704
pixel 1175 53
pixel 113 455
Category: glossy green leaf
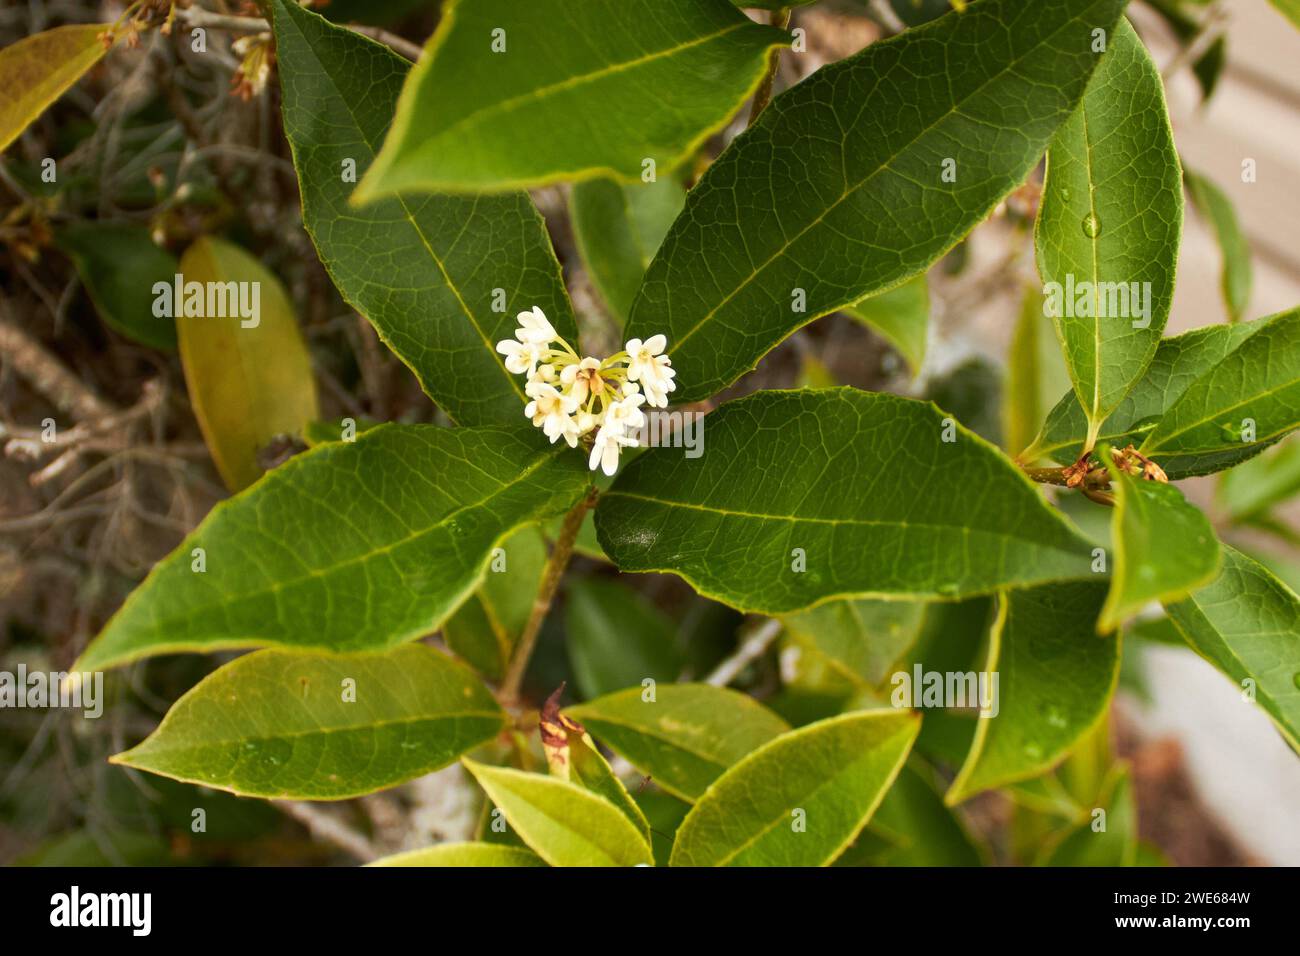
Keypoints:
pixel 1042 635
pixel 441 278
pixel 311 726
pixel 1240 406
pixel 1215 206
pixel 1036 374
pixel 1103 841
pixel 862 640
pixel 563 823
pixel 838 191
pixel 249 378
pixel 617 638
pixel 1109 226
pixel 508 94
pixel 619 227
pixel 685 736
pixel 118 264
pixel 1178 363
pixel 37 70
pixel 484 630
pixel 1162 547
pixel 587 767
pixel 809 495
pixel 350 546
pixel 1247 624
pixel 1250 489
pixel 801 799
pixel 463 854
pixel 901 315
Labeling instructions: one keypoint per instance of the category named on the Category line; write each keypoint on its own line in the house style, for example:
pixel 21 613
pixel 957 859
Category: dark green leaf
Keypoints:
pixel 617 639
pixel 118 264
pixel 1215 206
pixel 838 190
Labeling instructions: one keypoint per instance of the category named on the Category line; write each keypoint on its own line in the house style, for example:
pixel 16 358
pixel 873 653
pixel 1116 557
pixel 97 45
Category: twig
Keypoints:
pixel 551 576
pixel 751 649
pixel 46 373
pixel 778 18
pixel 325 826
pixel 198 17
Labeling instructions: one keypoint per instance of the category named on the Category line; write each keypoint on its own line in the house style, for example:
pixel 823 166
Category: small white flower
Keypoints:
pixel 626 414
pixel 521 357
pixel 648 365
pixel 582 378
pixel 552 411
pixel 535 327
pixel 586 422
pixel 604 451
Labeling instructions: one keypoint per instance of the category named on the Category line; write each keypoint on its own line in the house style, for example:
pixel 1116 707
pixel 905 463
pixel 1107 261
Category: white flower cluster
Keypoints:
pixel 573 396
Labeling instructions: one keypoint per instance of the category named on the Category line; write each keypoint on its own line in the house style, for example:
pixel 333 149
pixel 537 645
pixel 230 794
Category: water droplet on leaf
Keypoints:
pixel 1091 226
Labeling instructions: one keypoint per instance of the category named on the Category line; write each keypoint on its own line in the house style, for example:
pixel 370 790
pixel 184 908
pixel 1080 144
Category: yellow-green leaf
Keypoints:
pixel 463 854
pixel 37 70
pixel 249 375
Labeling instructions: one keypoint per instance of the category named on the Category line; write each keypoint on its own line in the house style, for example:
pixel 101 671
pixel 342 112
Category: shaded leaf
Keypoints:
pixel 618 227
pixel 685 737
pixel 484 630
pixel 1215 206
pixel 281 724
pixel 923 832
pixel 118 264
pixel 1116 844
pixel 806 495
pixel 441 278
pixel 1036 373
pixel 525 114
pixel 1111 216
pixel 1247 624
pixel 901 315
pixel 1250 489
pixel 837 191
pixel 1042 634
pixel 350 546
pixel 563 823
pixel 801 799
pixel 249 380
pixel 862 640
pixel 617 638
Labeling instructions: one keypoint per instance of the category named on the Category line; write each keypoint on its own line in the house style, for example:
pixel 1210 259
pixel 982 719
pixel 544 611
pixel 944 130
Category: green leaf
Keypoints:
pixel 801 799
pixel 619 227
pixel 1289 9
pixel 441 278
pixel 37 70
pixel 1041 635
pixel 118 264
pixel 686 736
pixel 350 546
pixel 1116 844
pixel 913 13
pixel 484 630
pixel 1208 67
pixel 1251 489
pixel 249 379
pixel 284 724
pixel 1256 386
pixel 1247 624
pixel 838 191
pixel 1163 547
pixel 579 90
pixel 862 640
pixel 588 768
pixel 1178 363
pixel 901 315
pixel 463 854
pixel 1036 374
pixel 1111 217
pixel 810 495
pixel 617 638
pixel 1215 206
pixel 924 831
pixel 563 823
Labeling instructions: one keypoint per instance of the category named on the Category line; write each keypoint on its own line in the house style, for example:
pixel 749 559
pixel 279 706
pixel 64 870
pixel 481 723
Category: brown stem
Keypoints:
pixel 778 18
pixel 551 575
